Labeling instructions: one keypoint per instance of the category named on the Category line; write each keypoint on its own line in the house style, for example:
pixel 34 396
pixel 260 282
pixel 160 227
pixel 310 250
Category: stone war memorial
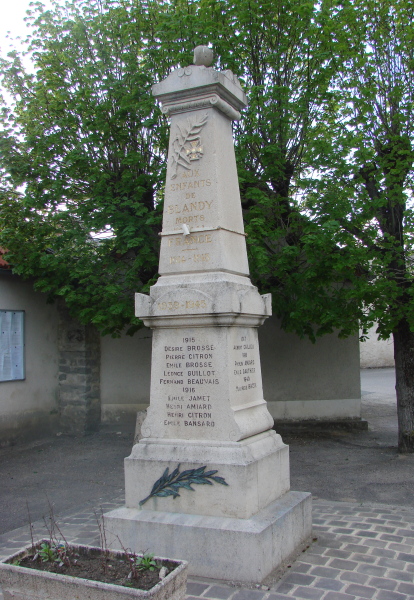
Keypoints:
pixel 209 481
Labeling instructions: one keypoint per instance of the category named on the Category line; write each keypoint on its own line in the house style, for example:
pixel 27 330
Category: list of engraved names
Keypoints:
pixel 244 352
pixel 190 368
pixel 190 372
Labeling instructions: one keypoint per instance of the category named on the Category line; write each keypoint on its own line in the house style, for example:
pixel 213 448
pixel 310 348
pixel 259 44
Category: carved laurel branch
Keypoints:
pixel 186 133
pixel 169 484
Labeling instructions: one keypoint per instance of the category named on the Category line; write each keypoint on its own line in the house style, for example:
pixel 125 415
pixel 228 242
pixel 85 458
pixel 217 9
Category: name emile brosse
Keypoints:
pixel 191 365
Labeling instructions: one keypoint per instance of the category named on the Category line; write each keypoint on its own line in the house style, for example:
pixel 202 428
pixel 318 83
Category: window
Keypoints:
pixel 11 345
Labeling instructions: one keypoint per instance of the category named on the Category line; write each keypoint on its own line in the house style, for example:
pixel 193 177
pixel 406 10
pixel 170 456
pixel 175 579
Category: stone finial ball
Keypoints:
pixel 203 56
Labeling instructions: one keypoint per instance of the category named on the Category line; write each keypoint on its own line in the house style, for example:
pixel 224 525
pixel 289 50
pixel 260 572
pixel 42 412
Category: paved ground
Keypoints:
pixel 361 465
pixel 69 472
pixel 363 544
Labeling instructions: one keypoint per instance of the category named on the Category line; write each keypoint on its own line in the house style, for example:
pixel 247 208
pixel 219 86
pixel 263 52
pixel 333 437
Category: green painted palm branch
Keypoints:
pixel 169 483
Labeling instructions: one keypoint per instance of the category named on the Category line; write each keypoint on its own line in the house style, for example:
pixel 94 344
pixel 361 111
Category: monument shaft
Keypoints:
pixel 206 378
pixel 207 422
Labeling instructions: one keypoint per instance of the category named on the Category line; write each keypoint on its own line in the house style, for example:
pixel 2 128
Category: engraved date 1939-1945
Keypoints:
pixel 188 304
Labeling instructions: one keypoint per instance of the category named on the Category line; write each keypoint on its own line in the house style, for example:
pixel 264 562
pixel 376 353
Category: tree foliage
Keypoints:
pixel 366 188
pixel 86 144
pixel 324 151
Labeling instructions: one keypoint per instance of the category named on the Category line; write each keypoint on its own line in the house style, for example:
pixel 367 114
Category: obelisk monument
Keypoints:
pixel 209 480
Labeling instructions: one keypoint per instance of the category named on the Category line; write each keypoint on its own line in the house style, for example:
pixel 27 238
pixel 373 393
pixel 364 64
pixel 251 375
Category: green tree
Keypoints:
pixel 82 153
pixel 324 154
pixel 364 196
pixel 325 159
pixel 288 56
pixel 87 143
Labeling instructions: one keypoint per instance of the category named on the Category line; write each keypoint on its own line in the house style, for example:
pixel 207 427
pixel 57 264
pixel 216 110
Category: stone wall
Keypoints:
pixel 79 375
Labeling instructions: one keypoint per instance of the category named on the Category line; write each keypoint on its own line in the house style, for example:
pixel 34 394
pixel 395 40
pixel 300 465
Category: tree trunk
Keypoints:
pixel 404 375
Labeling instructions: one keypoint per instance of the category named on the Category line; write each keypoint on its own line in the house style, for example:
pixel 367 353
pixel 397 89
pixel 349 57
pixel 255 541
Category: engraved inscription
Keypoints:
pixel 244 364
pixel 190 249
pixel 190 185
pixel 191 220
pixel 196 258
pixel 188 304
pixel 190 207
pixel 190 240
pixel 189 366
pixel 183 203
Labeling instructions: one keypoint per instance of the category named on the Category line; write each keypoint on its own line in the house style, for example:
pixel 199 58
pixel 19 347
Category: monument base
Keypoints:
pixel 256 471
pixel 245 550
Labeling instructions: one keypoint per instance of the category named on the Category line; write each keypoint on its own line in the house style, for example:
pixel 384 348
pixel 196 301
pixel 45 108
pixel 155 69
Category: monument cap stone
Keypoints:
pixel 208 86
pixel 203 56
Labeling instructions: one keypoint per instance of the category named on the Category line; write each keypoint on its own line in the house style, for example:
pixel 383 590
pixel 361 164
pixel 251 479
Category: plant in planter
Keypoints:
pixel 44 571
pixel 53 569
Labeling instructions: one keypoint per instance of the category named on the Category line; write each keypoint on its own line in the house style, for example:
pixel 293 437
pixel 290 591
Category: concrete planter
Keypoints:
pixel 22 583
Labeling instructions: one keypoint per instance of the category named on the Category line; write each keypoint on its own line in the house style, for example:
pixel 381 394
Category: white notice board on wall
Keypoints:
pixel 11 345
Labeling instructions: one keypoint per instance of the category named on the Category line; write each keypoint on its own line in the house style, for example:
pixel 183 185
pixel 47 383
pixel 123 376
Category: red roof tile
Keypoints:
pixel 3 263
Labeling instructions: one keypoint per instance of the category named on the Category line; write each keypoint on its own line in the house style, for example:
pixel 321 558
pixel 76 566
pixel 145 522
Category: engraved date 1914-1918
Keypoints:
pixel 196 258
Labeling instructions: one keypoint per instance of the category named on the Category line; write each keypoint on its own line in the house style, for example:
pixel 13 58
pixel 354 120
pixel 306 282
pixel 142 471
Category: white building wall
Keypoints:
pixel 29 407
pixel 125 375
pixel 301 380
pixel 376 353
